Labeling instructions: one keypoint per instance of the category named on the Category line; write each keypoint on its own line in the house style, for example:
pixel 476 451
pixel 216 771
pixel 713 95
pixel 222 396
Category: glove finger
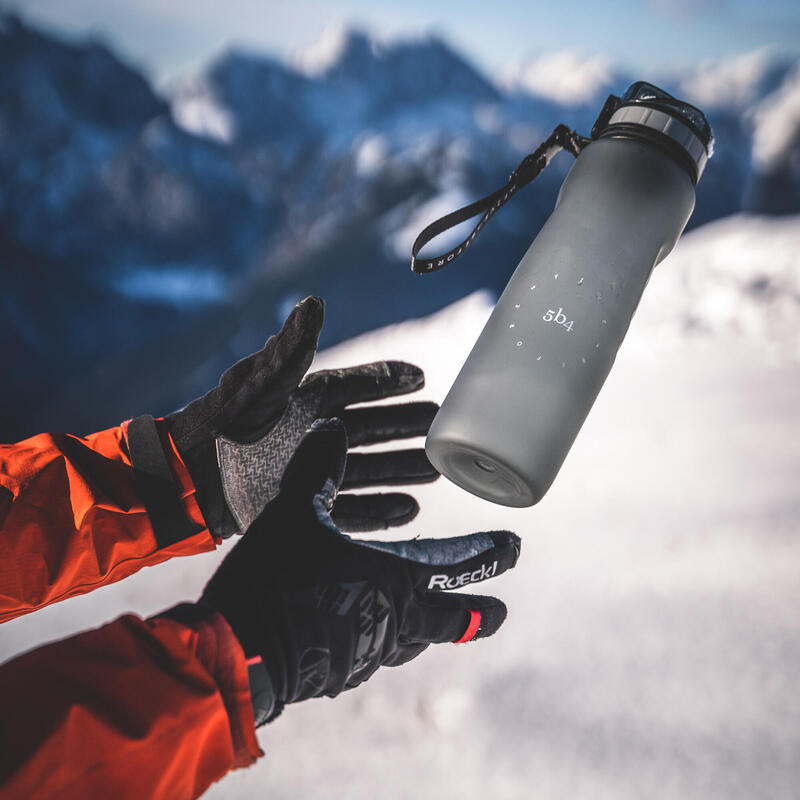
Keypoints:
pixel 455 561
pixel 366 382
pixel 254 391
pixel 392 468
pixel 404 654
pixel 359 513
pixel 376 424
pixel 318 462
pixel 439 617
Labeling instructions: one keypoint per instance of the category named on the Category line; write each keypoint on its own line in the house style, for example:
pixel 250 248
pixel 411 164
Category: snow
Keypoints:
pixel 737 278
pixel 729 82
pixel 776 121
pixel 371 152
pixel 563 76
pixel 317 58
pixel 195 109
pixel 489 118
pixel 653 642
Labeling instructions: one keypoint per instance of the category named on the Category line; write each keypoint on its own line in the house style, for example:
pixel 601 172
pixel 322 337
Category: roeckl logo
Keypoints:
pixel 446 582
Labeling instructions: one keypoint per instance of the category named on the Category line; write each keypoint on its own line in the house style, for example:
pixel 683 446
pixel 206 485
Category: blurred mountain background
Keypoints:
pixel 150 238
pixel 158 222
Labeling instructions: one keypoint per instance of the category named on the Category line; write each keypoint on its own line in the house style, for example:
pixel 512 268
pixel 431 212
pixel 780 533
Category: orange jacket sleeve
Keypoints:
pixel 74 514
pixel 136 709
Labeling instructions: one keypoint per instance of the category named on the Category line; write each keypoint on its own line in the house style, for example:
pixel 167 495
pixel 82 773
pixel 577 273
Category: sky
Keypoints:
pixel 170 37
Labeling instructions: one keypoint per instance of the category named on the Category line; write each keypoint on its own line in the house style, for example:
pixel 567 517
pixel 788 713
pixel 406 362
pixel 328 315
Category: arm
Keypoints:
pixel 138 708
pixel 72 517
pixel 78 513
pixel 164 707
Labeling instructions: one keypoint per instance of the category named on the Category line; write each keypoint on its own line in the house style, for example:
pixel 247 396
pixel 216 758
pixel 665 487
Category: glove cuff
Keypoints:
pixel 266 706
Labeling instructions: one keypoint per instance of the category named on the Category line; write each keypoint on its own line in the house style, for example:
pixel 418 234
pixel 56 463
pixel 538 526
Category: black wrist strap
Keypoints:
pixel 156 485
pixel 562 138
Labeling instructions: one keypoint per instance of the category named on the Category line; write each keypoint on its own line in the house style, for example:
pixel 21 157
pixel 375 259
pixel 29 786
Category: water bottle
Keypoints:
pixel 526 388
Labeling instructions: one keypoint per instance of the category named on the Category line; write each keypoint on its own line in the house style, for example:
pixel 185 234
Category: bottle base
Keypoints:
pixel 481 474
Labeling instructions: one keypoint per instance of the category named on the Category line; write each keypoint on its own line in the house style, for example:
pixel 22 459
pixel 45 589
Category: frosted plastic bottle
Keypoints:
pixel 526 388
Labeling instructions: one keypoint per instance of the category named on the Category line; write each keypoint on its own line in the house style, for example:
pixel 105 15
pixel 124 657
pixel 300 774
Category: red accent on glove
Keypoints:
pixel 472 628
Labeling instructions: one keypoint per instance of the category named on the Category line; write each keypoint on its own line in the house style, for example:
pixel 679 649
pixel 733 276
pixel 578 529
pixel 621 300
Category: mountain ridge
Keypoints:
pixel 257 180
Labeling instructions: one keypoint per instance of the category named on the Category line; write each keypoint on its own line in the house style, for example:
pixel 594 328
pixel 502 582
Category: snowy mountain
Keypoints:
pixel 776 146
pixel 734 82
pixel 563 77
pixel 95 173
pixel 344 84
pixel 255 182
pixel 401 72
pixel 247 100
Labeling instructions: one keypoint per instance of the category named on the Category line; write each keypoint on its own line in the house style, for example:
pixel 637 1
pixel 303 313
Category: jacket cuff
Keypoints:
pixel 219 651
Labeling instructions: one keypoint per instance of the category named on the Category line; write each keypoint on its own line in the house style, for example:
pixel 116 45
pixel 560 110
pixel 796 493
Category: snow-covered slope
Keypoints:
pixel 653 642
pixel 737 279
pixel 420 69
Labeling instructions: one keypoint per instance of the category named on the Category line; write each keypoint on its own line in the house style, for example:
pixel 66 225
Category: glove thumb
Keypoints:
pixel 254 391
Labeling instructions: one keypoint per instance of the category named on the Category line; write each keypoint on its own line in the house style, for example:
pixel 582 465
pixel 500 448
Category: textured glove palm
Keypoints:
pixel 237 439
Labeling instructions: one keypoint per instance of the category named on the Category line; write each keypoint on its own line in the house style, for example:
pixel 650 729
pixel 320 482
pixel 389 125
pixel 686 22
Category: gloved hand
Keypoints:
pixel 322 611
pixel 237 439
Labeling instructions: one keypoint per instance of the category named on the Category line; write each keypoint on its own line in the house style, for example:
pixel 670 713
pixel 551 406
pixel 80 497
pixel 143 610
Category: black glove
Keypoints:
pixel 317 613
pixel 237 439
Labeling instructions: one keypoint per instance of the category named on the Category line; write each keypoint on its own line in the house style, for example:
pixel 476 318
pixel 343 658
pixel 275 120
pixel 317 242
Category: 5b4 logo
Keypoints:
pixel 559 318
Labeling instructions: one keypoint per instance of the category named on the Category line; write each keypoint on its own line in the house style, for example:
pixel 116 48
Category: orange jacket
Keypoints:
pixel 71 518
pixel 156 708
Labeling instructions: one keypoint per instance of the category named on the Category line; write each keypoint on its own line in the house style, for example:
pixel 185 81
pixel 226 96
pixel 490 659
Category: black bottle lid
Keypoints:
pixel 645 111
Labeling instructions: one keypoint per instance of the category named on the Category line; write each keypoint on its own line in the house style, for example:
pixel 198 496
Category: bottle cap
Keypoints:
pixel 677 126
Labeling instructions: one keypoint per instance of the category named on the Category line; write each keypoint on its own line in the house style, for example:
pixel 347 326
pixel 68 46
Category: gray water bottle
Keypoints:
pixel 526 388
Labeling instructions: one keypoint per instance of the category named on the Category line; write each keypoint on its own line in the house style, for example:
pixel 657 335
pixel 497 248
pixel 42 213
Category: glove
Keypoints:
pixel 317 612
pixel 237 439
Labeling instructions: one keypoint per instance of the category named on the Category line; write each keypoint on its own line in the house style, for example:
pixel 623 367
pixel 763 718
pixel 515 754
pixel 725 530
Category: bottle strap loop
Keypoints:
pixel 562 138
